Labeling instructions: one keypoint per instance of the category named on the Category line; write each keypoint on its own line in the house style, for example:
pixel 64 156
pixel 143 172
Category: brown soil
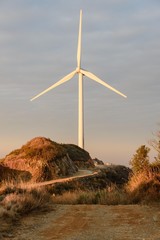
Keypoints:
pixel 91 222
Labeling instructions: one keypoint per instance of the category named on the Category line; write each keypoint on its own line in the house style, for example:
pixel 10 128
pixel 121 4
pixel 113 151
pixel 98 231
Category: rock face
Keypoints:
pixel 46 160
pixel 98 162
pixel 79 156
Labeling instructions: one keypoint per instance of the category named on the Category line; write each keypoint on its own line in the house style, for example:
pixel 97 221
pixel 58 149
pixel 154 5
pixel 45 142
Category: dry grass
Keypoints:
pixel 66 198
pixel 108 196
pixel 16 200
pixel 19 199
pixel 141 188
pixel 144 187
pixel 136 180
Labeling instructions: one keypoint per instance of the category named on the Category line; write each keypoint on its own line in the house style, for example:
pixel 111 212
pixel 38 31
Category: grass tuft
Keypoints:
pixel 16 200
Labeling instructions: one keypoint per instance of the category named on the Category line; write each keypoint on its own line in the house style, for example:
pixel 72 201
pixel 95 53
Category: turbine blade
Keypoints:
pixel 95 78
pixel 79 42
pixel 63 80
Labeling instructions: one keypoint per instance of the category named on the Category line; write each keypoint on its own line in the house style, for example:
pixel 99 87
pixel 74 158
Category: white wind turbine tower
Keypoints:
pixel 81 72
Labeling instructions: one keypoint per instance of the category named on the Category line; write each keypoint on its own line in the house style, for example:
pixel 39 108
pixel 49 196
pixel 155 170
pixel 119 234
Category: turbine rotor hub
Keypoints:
pixel 78 70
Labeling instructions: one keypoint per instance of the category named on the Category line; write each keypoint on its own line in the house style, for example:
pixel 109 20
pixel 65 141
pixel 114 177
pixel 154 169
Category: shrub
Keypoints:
pixel 144 187
pixel 140 160
pixel 19 200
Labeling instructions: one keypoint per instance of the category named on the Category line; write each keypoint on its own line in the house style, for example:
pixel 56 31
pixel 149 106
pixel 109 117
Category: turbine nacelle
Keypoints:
pixel 78 70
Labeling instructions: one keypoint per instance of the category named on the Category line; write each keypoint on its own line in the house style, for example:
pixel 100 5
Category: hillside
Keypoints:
pixel 46 159
pixel 7 174
pixel 112 175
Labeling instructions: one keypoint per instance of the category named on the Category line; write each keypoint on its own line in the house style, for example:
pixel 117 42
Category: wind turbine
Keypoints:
pixel 81 72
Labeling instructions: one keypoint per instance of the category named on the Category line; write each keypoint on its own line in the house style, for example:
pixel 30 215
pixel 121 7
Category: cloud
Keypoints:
pixel 38 44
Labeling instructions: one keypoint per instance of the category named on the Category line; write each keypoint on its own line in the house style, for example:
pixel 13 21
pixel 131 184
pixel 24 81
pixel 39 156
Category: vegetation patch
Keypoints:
pixel 19 199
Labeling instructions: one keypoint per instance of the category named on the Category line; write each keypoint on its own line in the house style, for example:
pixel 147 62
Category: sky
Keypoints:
pixel 120 44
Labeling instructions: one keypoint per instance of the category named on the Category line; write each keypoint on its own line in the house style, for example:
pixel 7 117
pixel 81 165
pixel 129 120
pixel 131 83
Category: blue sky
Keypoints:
pixel 120 44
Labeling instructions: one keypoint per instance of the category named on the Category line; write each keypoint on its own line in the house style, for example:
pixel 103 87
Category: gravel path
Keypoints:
pixel 79 174
pixel 92 222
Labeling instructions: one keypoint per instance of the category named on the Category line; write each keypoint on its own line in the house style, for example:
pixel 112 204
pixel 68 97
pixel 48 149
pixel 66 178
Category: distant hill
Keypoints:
pixel 45 159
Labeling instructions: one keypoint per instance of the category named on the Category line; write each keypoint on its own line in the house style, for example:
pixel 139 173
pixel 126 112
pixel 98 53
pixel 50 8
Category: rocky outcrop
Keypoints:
pixel 117 174
pixel 98 162
pixel 46 160
pixel 79 156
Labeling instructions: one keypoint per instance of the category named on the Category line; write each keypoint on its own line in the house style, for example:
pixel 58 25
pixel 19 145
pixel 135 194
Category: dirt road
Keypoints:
pixel 79 174
pixel 92 222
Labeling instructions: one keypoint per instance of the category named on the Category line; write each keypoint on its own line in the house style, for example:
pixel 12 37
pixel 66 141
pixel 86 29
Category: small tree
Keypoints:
pixel 140 160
